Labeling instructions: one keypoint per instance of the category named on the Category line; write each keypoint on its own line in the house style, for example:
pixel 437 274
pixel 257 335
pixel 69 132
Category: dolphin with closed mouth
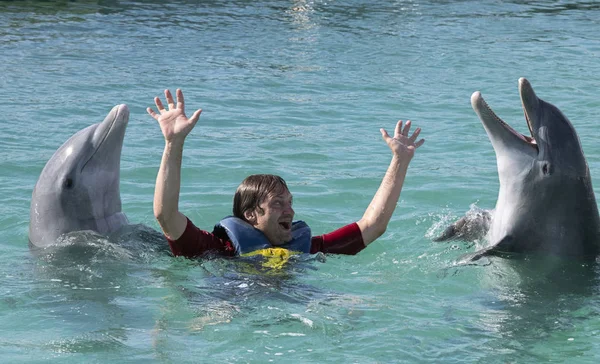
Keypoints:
pixel 546 204
pixel 78 188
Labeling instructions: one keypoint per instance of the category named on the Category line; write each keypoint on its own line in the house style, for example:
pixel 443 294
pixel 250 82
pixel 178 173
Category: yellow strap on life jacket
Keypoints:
pixel 275 258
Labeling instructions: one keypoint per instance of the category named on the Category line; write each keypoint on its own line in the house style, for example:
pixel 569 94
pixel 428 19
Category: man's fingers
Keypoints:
pixel 195 116
pixel 385 135
pixel 406 128
pixel 169 98
pixel 419 143
pixel 415 134
pixel 159 105
pixel 152 113
pixel 180 102
pixel 398 129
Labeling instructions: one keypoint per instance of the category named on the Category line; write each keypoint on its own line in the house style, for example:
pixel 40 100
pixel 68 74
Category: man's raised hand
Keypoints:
pixel 173 122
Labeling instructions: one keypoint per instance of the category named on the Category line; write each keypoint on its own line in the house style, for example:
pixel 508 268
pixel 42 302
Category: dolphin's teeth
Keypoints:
pixel 529 140
pixel 527 120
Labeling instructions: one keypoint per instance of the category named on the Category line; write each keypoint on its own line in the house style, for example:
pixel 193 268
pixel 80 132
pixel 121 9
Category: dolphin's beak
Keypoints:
pixel 113 126
pixel 107 140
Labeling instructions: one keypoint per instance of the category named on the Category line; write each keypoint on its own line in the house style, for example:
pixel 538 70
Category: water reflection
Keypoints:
pixel 536 299
pixel 52 7
pixel 93 285
pixel 558 6
pixel 301 13
pixel 78 292
pixel 247 282
pixel 220 295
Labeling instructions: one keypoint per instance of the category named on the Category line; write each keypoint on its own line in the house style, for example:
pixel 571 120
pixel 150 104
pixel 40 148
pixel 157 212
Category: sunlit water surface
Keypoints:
pixel 300 89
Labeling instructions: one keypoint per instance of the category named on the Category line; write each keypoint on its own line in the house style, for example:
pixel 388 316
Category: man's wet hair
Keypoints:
pixel 254 190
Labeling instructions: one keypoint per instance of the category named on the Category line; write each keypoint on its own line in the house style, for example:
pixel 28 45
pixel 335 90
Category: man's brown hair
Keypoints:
pixel 254 190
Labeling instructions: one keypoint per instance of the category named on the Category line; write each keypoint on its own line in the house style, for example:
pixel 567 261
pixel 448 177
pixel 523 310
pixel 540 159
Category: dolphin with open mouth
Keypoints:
pixel 78 189
pixel 546 204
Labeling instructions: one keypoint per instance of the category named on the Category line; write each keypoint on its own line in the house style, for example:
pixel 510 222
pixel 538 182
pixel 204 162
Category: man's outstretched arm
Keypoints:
pixel 377 216
pixel 175 126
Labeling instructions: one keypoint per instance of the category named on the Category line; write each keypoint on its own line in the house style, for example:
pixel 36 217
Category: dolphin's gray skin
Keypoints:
pixel 546 203
pixel 78 188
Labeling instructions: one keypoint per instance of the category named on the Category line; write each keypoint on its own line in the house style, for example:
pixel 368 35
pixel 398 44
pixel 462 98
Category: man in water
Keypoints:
pixel 262 206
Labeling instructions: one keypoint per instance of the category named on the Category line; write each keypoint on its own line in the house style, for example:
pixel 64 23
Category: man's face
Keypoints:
pixel 275 219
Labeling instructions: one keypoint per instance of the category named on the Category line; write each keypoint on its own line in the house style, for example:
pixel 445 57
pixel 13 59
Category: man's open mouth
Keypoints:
pixel 286 225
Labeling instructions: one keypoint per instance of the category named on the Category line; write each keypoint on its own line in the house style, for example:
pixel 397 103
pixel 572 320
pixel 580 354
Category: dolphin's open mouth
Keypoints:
pixel 529 140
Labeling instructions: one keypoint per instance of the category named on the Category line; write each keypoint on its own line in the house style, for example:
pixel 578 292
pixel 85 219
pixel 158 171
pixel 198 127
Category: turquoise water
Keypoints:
pixel 300 89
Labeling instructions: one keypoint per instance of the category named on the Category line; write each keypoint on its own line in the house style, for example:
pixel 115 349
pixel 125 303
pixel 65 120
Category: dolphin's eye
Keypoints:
pixel 546 169
pixel 68 183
